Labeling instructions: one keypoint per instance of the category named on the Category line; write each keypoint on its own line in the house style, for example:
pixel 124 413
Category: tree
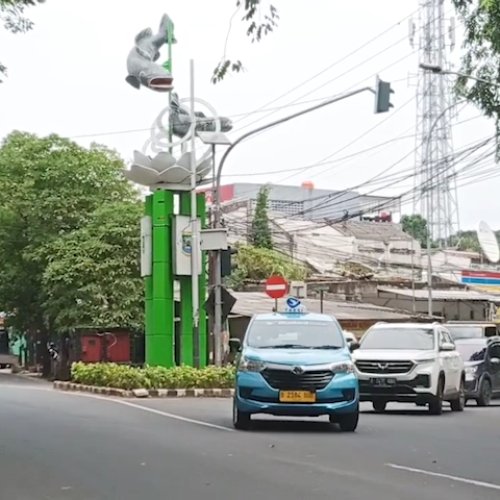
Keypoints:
pixel 466 241
pixel 49 187
pixel 256 30
pixel 92 276
pixel 261 236
pixel 256 264
pixel 482 43
pixel 11 15
pixel 415 226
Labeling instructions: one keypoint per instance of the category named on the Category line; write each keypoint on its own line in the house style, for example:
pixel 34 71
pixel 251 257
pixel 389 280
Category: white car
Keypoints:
pixel 410 363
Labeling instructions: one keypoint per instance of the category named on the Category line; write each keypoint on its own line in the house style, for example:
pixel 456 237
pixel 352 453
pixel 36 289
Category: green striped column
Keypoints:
pixel 160 286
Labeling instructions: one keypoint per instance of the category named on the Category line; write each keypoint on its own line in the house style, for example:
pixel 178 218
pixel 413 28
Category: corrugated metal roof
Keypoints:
pixel 378 231
pixel 249 303
pixel 447 295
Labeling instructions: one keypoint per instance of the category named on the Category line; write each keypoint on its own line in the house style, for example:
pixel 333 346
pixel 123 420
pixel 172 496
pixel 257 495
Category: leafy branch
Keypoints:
pixel 256 30
pixel 13 20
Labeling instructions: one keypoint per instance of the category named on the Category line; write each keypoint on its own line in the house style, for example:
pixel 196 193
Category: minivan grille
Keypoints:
pixel 384 367
pixel 307 381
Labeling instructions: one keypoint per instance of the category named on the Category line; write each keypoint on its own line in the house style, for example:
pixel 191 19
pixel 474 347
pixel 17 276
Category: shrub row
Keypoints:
pixel 152 377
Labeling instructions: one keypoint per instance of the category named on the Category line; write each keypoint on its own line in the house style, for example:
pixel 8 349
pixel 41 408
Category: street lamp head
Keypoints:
pixel 434 68
pixel 214 138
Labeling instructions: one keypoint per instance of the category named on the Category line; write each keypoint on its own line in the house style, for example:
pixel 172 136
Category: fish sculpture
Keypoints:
pixel 181 119
pixel 141 62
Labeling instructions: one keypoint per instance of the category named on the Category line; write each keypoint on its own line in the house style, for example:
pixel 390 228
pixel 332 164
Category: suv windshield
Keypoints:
pixel 472 352
pixel 301 334
pixel 399 338
pixel 465 331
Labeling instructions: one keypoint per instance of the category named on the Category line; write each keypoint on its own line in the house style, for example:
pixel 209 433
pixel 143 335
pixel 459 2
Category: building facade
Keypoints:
pixel 309 203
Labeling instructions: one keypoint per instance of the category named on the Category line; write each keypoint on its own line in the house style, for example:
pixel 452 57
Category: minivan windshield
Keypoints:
pixel 293 334
pixel 399 338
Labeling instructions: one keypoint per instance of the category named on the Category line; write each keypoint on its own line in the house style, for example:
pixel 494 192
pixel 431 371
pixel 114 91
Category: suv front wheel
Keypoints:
pixel 436 403
pixel 458 404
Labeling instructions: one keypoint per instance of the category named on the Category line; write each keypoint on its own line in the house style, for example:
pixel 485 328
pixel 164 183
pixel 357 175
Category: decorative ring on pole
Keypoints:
pixel 158 141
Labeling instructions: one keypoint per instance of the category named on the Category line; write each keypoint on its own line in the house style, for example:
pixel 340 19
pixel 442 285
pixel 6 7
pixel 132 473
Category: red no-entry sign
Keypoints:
pixel 276 287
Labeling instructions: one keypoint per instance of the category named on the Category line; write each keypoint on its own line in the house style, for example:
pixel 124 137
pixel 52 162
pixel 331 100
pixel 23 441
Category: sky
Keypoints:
pixel 67 76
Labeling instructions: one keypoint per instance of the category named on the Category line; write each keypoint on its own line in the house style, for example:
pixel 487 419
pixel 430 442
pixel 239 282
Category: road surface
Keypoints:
pixel 57 446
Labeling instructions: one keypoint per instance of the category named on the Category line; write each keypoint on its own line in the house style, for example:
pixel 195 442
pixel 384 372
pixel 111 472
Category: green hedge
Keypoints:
pixel 128 377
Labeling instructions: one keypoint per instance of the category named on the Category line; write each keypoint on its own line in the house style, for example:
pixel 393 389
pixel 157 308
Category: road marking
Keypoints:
pixel 173 416
pixel 473 482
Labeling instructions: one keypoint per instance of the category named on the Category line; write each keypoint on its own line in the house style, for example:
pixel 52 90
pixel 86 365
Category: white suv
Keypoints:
pixel 410 362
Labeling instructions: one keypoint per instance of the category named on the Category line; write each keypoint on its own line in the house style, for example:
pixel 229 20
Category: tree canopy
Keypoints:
pixel 51 187
pixel 482 44
pixel 256 264
pixel 415 226
pixel 92 276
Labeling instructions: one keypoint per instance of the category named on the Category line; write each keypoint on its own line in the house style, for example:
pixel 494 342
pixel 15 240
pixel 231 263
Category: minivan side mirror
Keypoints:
pixel 447 346
pixel 353 346
pixel 234 345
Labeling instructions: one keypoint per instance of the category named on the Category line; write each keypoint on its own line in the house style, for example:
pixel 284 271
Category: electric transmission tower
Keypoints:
pixel 436 192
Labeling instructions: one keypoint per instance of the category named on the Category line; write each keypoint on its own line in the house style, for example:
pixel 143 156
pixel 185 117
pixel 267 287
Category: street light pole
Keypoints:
pixel 214 139
pixel 217 213
pixel 217 207
pixel 428 236
pixel 434 68
pixel 195 247
pixel 439 70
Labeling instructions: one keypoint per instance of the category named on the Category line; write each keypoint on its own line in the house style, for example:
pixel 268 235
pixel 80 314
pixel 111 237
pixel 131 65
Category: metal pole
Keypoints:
pixel 429 235
pixel 218 286
pixel 272 124
pixel 195 247
pixel 170 34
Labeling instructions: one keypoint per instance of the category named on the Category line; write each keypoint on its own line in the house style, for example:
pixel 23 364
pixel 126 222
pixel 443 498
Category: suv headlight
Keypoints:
pixel 425 361
pixel 342 367
pixel 250 365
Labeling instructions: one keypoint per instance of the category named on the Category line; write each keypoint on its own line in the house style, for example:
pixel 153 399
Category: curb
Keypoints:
pixel 145 393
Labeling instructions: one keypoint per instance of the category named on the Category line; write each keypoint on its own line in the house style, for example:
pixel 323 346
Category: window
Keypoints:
pixel 297 334
pixel 445 337
pixel 491 331
pixel 399 338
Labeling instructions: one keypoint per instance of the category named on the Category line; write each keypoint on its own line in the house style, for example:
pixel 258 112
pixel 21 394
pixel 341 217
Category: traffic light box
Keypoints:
pixel 226 261
pixel 383 93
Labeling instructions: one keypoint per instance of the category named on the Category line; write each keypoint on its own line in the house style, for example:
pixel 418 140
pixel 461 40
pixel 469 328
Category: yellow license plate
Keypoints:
pixel 297 397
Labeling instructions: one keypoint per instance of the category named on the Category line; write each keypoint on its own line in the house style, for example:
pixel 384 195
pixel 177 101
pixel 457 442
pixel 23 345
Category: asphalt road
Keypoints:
pixel 58 446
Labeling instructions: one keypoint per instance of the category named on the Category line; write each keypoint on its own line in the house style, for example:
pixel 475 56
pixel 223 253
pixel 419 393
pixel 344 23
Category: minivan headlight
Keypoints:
pixel 250 365
pixel 342 367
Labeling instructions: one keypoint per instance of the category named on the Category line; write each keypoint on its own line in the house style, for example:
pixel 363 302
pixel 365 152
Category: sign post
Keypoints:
pixel 276 287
